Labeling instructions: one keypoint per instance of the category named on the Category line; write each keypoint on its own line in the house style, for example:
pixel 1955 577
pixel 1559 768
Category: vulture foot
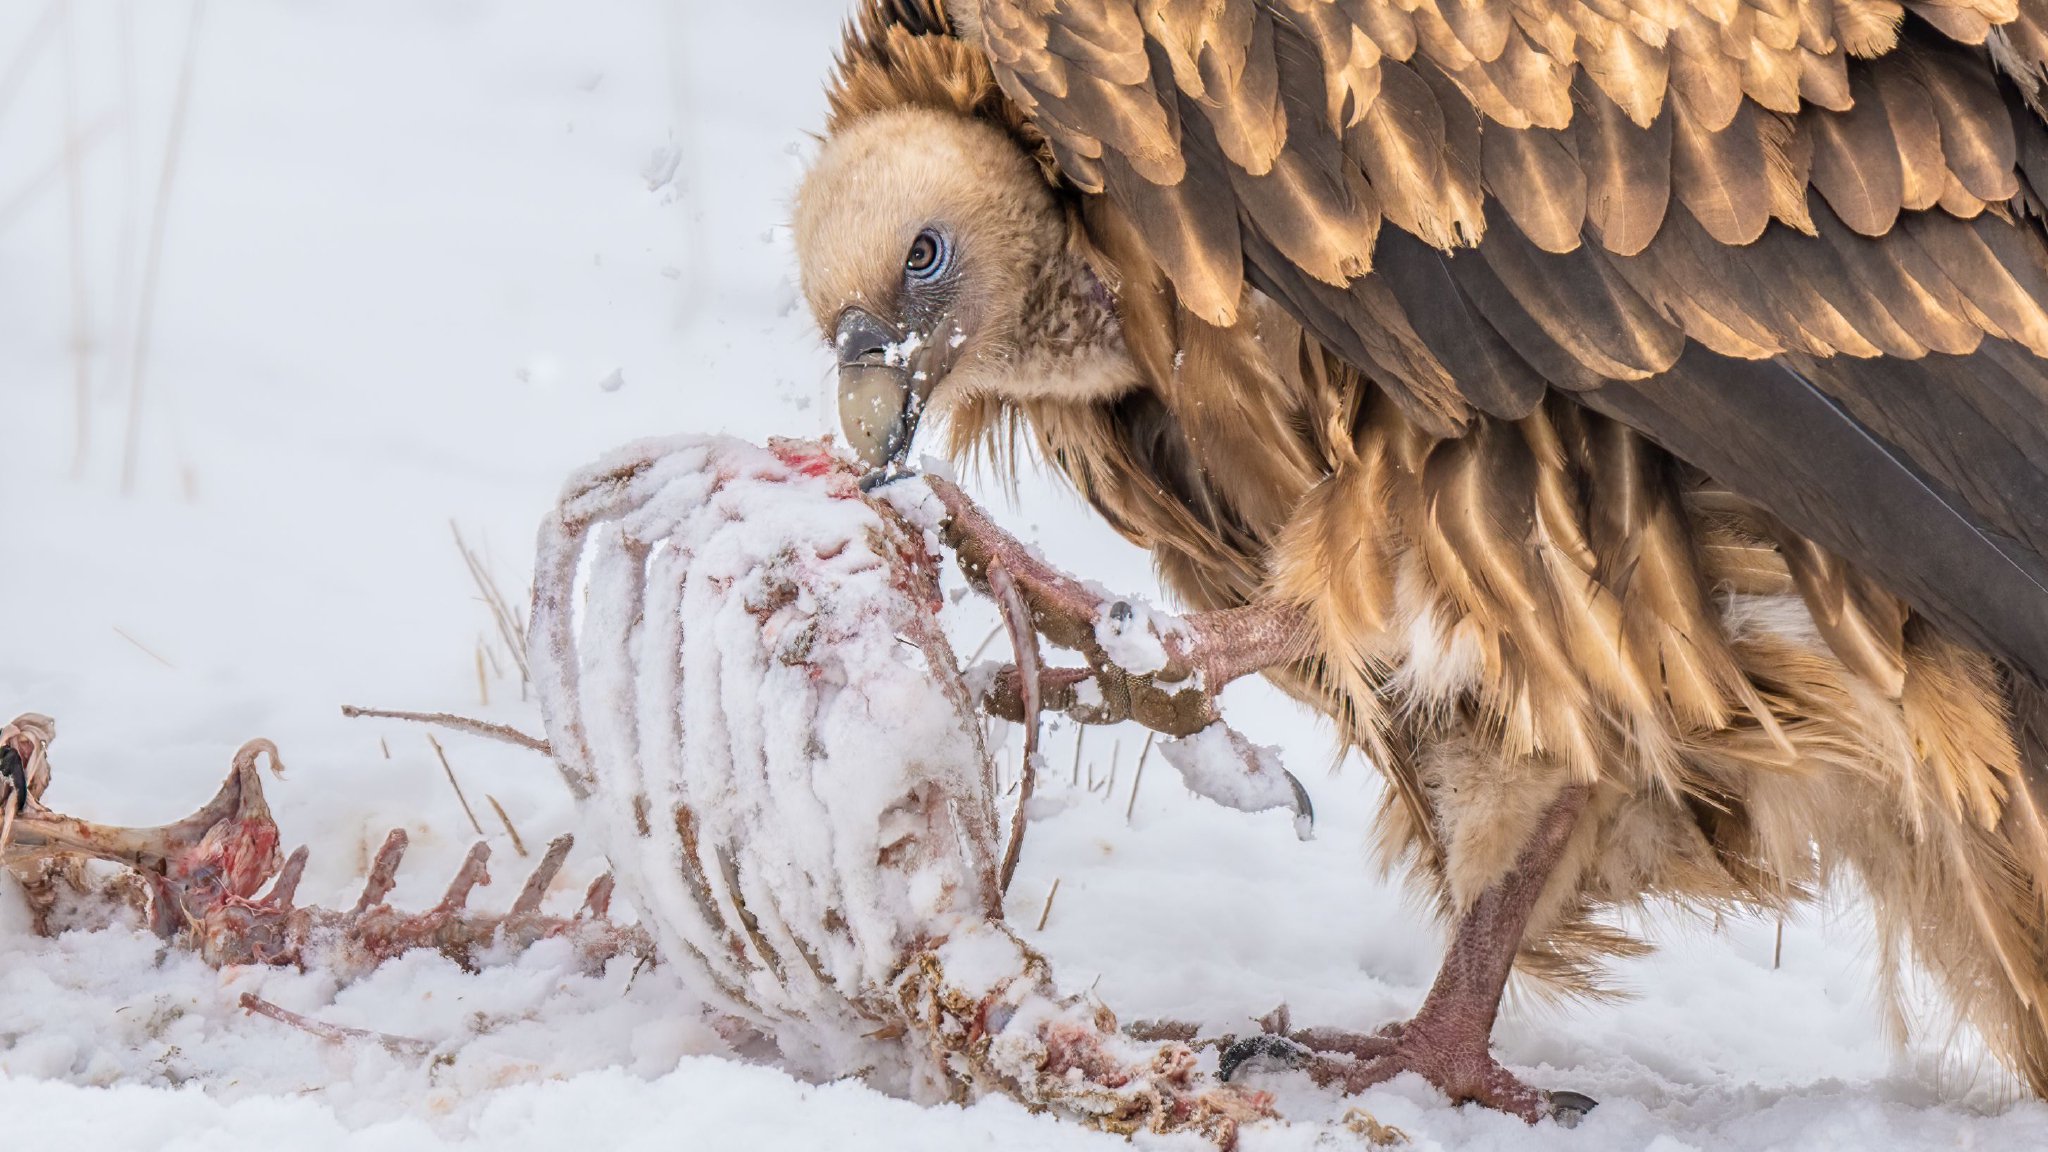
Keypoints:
pixel 1450 1053
pixel 1447 1042
pixel 1160 670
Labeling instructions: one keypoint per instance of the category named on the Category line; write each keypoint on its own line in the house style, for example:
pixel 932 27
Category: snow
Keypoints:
pixel 405 244
pixel 1131 633
pixel 1219 763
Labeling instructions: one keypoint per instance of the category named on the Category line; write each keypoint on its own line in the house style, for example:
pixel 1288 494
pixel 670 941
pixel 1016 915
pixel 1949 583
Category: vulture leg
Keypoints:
pixel 1447 1041
pixel 1196 655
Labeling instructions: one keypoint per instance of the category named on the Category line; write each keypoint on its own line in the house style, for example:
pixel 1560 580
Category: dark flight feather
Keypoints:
pixel 1798 445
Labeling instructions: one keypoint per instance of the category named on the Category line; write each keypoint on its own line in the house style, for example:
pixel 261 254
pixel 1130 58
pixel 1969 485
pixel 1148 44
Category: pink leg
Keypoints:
pixel 1447 1041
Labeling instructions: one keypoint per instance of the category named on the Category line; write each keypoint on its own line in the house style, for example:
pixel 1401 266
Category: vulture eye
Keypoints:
pixel 927 256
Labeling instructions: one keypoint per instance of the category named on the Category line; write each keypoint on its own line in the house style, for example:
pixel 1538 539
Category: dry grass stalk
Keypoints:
pixel 983 646
pixel 25 194
pixel 25 52
pixel 81 300
pixel 1047 909
pixel 119 631
pixel 502 733
pixel 448 768
pixel 335 1033
pixel 130 117
pixel 1138 778
pixel 483 685
pixel 152 266
pixel 518 843
pixel 510 624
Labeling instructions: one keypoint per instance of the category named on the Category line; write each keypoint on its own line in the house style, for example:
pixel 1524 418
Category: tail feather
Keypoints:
pixel 1962 882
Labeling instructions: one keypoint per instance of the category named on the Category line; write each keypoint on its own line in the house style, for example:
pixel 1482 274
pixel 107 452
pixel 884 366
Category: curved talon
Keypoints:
pixel 1304 808
pixel 1264 1052
pixel 1568 1108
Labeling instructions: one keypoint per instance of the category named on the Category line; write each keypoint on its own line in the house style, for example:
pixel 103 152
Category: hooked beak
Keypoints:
pixel 882 388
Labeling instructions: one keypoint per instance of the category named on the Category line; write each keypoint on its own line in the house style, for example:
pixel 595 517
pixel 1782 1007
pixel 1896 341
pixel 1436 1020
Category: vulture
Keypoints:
pixel 1643 402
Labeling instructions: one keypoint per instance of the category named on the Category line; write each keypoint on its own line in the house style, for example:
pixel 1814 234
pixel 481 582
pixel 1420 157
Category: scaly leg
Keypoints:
pixel 1447 1040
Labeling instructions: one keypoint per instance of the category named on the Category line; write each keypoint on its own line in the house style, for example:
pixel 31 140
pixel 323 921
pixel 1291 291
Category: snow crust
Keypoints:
pixel 1220 763
pixel 1130 632
pixel 405 245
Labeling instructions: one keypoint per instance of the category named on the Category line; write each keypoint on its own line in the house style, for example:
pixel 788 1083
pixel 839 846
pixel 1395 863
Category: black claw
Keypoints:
pixel 1262 1053
pixel 1568 1108
pixel 1303 807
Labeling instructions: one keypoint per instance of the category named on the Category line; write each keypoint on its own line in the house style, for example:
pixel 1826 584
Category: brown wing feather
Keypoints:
pixel 1976 138
pixel 1853 191
pixel 1628 171
pixel 1721 177
pixel 1856 165
pixel 1314 205
pixel 1538 180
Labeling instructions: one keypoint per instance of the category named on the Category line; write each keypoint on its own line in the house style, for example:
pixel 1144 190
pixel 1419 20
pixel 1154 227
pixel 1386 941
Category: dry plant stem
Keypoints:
pixel 1022 637
pixel 74 196
pixel 502 733
pixel 1138 778
pixel 335 1033
pixel 511 629
pixel 25 51
pixel 145 649
pixel 131 453
pixel 24 195
pixel 511 829
pixel 449 769
pixel 1207 651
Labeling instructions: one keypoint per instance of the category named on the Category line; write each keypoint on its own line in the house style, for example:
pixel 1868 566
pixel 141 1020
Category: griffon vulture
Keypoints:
pixel 1642 400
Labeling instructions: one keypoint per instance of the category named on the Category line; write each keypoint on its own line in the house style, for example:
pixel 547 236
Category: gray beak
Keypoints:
pixel 881 390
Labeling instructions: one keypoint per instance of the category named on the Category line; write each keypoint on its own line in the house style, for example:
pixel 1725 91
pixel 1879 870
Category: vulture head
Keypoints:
pixel 941 268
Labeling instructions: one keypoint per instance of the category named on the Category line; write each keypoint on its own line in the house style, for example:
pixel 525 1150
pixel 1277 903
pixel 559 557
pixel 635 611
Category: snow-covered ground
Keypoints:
pixel 414 263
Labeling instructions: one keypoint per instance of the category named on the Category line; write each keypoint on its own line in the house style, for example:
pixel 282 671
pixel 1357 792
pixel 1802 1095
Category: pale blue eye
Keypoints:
pixel 928 256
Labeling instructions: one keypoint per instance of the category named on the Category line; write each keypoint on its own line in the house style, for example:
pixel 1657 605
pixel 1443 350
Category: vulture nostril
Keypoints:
pixel 862 338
